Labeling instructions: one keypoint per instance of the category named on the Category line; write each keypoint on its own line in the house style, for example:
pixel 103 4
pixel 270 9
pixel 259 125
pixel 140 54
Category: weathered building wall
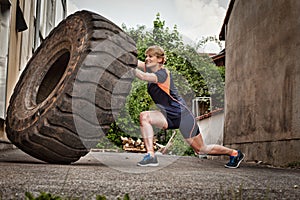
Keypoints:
pixel 262 92
pixel 17 46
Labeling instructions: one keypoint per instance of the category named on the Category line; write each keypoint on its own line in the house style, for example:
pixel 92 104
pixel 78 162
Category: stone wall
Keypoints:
pixel 262 89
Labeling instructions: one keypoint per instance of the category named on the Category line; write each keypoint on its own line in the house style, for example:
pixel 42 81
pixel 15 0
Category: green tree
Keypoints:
pixel 194 74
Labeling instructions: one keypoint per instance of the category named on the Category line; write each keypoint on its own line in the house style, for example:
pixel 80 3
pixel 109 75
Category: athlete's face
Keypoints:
pixel 152 60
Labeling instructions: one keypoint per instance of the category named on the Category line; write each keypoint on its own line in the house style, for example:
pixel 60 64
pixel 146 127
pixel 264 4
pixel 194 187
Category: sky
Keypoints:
pixel 194 18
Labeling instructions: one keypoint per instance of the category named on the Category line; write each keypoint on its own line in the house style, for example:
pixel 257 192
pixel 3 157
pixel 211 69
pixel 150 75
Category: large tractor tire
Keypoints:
pixel 71 89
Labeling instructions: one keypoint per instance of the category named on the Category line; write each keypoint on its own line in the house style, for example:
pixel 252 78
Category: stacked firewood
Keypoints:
pixel 138 145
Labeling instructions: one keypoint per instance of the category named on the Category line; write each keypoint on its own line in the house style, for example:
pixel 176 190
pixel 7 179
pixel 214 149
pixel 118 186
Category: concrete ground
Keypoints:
pixel 115 174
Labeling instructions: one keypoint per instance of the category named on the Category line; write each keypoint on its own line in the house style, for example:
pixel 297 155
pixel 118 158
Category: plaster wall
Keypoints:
pixel 212 129
pixel 262 89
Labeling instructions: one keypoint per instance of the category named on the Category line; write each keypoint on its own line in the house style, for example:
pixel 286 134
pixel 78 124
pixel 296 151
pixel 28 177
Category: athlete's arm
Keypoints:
pixel 145 76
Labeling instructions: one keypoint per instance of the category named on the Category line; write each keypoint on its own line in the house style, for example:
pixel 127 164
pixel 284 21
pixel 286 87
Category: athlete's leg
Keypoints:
pixel 191 132
pixel 200 147
pixel 147 120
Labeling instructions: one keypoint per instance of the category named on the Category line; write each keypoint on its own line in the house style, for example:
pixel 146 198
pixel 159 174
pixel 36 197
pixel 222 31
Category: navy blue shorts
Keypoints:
pixel 185 122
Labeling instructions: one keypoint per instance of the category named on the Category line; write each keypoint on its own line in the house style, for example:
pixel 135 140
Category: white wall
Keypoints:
pixel 212 129
pixel 4 33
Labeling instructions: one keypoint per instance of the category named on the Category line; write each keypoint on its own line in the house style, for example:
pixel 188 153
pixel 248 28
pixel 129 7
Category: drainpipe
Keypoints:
pixel 37 24
pixel 64 4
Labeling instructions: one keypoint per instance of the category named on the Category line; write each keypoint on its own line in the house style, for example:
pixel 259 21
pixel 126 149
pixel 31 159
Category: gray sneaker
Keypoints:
pixel 235 160
pixel 148 160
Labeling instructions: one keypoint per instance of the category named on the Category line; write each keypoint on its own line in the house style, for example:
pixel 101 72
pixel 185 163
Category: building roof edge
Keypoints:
pixel 228 13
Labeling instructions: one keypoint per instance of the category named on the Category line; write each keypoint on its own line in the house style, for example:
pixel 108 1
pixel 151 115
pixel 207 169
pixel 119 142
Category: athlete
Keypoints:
pixel 173 112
